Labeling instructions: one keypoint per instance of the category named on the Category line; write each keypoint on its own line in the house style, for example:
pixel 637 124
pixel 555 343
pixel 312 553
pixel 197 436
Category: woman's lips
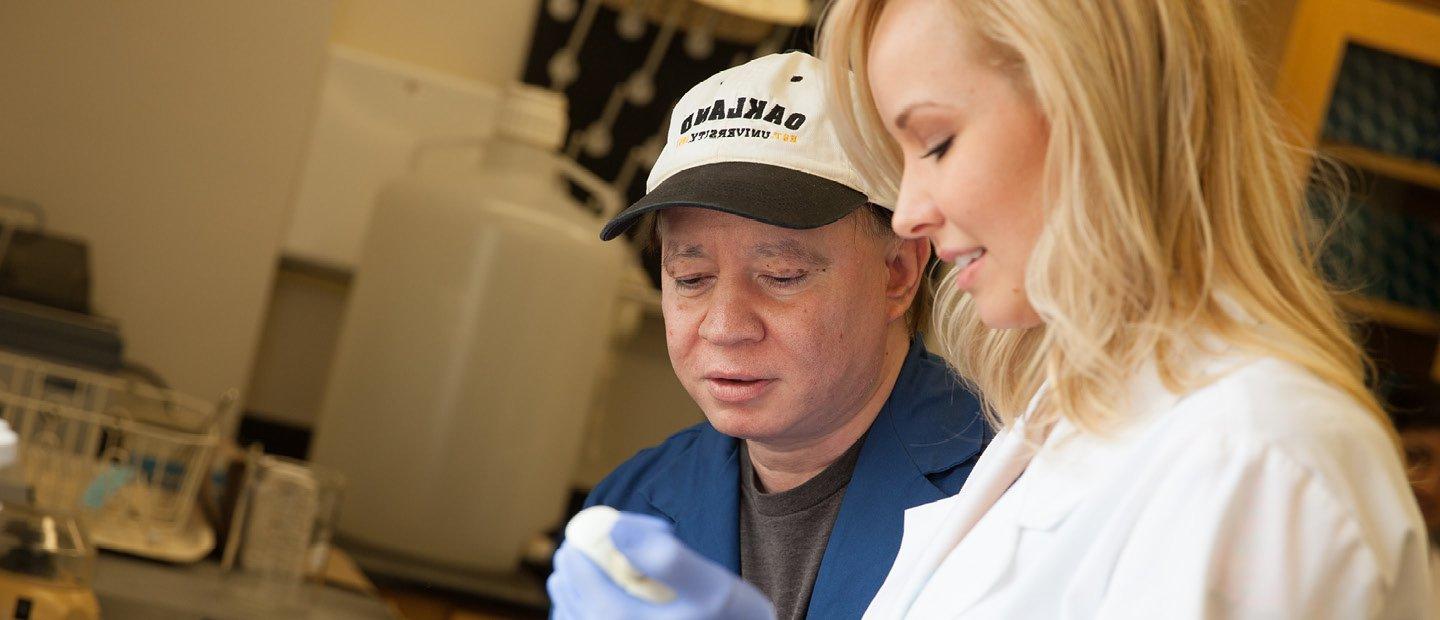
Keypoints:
pixel 967 262
pixel 969 272
pixel 737 390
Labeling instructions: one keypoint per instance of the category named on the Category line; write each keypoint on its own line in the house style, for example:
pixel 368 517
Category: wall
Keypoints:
pixel 483 40
pixel 167 133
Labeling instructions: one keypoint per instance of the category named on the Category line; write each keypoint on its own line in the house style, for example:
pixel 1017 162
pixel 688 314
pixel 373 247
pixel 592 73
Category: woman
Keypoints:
pixel 1186 430
pixel 1186 427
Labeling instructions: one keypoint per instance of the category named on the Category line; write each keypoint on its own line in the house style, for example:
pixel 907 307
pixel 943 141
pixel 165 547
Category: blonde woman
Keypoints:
pixel 1186 428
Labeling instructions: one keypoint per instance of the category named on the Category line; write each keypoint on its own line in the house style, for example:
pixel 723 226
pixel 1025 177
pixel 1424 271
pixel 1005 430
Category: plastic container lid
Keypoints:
pixel 533 115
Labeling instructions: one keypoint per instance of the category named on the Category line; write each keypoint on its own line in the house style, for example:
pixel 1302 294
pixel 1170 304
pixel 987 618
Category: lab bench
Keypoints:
pixel 132 588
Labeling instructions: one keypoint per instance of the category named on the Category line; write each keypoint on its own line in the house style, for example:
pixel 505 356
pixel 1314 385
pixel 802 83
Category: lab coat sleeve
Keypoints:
pixel 1243 532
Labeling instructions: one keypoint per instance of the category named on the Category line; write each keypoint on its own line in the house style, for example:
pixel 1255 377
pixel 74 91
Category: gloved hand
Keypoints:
pixel 580 590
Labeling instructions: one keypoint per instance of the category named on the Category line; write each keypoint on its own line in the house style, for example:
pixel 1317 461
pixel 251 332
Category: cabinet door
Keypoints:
pixel 1319 34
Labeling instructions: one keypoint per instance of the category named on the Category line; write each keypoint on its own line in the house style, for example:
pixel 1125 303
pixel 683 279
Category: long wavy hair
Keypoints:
pixel 1175 206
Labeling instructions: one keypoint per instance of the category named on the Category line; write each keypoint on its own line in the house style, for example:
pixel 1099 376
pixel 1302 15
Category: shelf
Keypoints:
pixel 1409 170
pixel 1393 314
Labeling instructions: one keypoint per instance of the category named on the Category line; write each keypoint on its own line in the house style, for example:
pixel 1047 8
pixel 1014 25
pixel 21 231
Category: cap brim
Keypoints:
pixel 761 192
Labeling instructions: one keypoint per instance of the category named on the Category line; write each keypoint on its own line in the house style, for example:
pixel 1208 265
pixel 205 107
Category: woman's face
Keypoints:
pixel 974 149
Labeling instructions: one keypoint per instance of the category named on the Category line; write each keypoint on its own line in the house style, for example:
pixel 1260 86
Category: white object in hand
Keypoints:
pixel 589 532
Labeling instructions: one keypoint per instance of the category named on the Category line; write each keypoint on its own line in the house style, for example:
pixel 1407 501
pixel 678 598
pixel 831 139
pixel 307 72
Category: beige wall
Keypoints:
pixel 485 40
pixel 167 133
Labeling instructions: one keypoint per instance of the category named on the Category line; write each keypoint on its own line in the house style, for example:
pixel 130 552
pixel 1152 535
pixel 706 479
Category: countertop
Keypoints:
pixel 131 587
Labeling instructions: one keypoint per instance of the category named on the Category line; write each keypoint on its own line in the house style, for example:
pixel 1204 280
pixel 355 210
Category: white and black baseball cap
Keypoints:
pixel 755 141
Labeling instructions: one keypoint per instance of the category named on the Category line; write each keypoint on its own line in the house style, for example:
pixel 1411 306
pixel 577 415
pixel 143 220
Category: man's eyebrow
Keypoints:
pixel 790 249
pixel 675 252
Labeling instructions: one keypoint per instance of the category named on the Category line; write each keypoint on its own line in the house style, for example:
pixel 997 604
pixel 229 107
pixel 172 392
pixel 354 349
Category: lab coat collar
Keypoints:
pixel 1059 476
pixel 933 531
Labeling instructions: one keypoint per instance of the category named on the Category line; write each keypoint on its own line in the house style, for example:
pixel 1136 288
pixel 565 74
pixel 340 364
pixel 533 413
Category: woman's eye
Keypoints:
pixel 938 151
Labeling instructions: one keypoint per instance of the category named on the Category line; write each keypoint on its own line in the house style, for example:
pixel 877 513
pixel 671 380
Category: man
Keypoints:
pixel 789 319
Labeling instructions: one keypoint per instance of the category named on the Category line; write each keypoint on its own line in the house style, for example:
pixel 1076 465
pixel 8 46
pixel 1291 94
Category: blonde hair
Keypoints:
pixel 1175 210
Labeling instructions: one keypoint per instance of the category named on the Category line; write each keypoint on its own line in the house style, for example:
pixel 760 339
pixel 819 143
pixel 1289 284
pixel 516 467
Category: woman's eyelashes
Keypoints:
pixel 938 151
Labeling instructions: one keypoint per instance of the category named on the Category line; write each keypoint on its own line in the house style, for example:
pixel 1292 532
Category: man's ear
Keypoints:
pixel 905 262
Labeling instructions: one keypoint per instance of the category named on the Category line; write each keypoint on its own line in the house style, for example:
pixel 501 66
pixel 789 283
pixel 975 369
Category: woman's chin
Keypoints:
pixel 1007 314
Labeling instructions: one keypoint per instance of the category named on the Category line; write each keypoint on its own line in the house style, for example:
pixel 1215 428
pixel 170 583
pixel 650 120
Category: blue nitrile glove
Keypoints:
pixel 580 590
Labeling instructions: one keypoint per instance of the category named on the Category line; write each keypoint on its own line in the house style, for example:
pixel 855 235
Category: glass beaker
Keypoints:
pixel 286 524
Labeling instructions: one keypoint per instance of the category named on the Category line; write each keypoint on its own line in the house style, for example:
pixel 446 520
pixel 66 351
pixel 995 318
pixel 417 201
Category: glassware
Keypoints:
pixel 284 523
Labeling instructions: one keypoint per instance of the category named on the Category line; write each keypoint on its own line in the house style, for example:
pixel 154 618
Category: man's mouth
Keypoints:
pixel 736 388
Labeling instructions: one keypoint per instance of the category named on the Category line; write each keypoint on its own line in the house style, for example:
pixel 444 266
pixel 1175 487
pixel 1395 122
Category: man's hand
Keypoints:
pixel 580 589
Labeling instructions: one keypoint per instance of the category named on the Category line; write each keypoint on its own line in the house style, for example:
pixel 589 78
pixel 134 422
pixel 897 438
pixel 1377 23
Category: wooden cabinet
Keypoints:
pixel 1394 152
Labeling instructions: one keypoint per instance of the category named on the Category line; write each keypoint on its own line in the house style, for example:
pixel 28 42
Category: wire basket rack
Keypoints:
pixel 127 457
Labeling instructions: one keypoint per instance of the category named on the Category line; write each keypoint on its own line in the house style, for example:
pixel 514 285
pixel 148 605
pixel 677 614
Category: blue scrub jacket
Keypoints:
pixel 920 449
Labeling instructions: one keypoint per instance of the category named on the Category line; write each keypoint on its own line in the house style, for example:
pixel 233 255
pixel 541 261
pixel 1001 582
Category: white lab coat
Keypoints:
pixel 1265 494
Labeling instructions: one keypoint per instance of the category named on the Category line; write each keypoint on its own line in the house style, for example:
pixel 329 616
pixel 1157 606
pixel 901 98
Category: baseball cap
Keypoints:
pixel 756 141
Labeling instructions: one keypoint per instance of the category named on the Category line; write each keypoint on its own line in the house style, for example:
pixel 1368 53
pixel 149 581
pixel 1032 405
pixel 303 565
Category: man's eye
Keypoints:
pixel 785 281
pixel 691 283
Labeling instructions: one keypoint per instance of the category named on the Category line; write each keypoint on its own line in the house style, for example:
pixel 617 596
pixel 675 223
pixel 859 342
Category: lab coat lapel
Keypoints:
pixel 1003 462
pixel 1058 485
pixel 870 523
pixel 701 495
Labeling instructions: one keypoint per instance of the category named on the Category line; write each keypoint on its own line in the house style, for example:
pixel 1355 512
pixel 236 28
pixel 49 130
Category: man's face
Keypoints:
pixel 779 335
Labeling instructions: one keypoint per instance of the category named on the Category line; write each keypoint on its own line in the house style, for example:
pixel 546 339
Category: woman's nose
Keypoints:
pixel 915 213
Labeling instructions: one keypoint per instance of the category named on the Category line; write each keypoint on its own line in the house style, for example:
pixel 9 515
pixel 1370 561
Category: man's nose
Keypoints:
pixel 730 318
pixel 915 213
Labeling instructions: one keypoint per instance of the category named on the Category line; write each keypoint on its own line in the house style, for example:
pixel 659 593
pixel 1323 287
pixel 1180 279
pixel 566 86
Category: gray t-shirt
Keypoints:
pixel 783 535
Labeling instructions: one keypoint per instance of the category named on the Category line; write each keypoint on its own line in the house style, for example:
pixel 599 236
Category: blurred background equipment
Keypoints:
pixel 46 560
pixel 45 293
pixel 126 456
pixel 373 112
pixel 40 268
pixel 281 529
pixel 471 349
pixel 652 51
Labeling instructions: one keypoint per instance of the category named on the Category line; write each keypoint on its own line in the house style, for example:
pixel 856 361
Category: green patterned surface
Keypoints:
pixel 1385 254
pixel 1387 103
